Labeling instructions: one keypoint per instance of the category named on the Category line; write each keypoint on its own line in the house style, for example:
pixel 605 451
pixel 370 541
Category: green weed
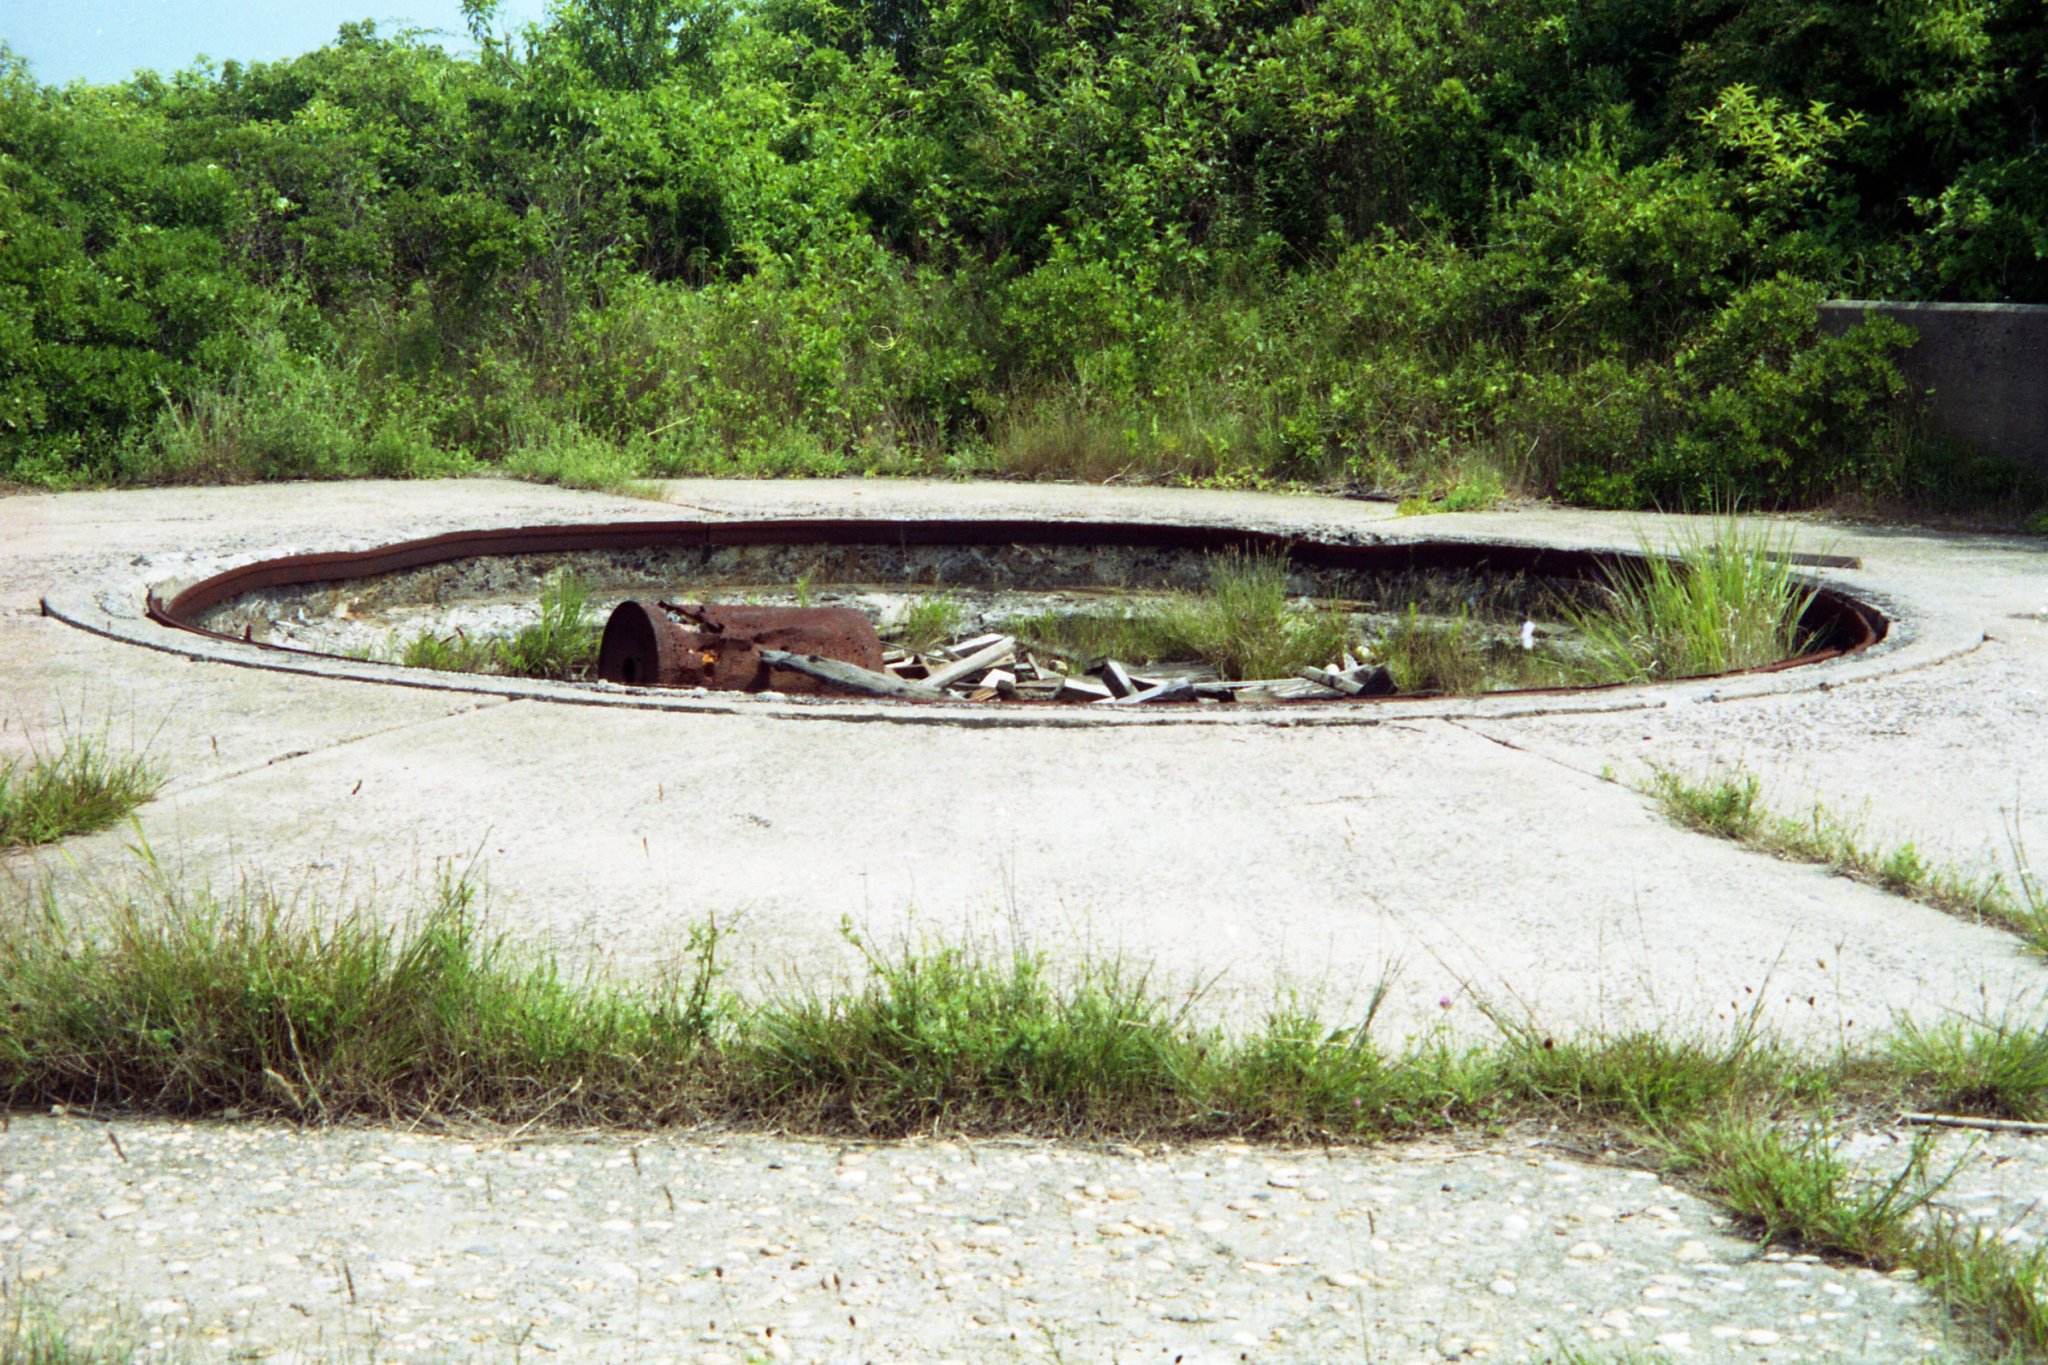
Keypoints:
pixel 199 1005
pixel 1426 655
pixel 456 653
pixel 38 1341
pixel 81 787
pixel 929 622
pixel 196 1005
pixel 1729 805
pixel 1998 1070
pixel 1478 490
pixel 1641 1078
pixel 1729 599
pixel 1243 623
pixel 1797 1192
pixel 572 457
pixel 562 643
pixel 1725 805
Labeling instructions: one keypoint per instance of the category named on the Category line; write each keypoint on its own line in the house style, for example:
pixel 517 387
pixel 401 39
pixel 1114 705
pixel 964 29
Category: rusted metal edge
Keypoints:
pixel 1837 623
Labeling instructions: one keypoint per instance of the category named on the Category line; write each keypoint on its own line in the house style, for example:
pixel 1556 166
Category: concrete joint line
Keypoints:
pixel 203 784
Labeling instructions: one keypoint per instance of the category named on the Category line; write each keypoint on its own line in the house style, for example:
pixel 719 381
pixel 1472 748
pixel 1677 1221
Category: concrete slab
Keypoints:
pixel 1478 855
pixel 406 1247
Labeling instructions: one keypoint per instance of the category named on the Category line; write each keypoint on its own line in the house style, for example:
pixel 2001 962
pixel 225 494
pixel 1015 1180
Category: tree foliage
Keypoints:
pixel 1362 239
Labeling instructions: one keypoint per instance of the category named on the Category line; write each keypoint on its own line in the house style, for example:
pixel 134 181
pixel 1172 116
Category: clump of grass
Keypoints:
pixel 456 653
pixel 1997 1070
pixel 1796 1191
pixel 1452 655
pixel 1727 600
pixel 1729 804
pixel 1143 633
pixel 194 1005
pixel 1642 1077
pixel 198 1005
pixel 1427 655
pixel 561 644
pixel 1243 623
pixel 929 622
pixel 81 787
pixel 1246 626
pixel 571 457
pixel 1724 805
pixel 1996 1290
pixel 932 1038
pixel 1476 490
pixel 26 1341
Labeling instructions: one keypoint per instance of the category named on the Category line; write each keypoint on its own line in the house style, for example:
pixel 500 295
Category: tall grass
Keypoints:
pixel 1243 623
pixel 562 643
pixel 81 787
pixel 191 1003
pixel 1729 599
pixel 1997 1069
pixel 196 1005
pixel 1427 655
pixel 1794 1190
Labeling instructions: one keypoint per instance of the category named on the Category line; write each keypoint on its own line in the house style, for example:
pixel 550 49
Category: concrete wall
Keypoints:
pixel 1986 363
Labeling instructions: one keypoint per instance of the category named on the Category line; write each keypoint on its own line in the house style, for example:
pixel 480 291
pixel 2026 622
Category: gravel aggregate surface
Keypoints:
pixel 1994 1181
pixel 1472 853
pixel 264 1242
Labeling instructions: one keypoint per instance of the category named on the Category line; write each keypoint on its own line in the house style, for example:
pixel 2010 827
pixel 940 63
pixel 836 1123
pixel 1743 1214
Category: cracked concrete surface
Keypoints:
pixel 1462 857
pixel 1468 857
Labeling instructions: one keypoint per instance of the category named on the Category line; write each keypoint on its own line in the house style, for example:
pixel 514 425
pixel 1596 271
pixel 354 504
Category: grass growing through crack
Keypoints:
pixel 1243 623
pixel 197 1005
pixel 1728 599
pixel 81 787
pixel 562 643
pixel 1730 805
pixel 1797 1191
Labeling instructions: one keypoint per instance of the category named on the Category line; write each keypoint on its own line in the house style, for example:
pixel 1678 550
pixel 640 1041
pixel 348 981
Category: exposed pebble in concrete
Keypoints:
pixel 1995 1181
pixel 264 1242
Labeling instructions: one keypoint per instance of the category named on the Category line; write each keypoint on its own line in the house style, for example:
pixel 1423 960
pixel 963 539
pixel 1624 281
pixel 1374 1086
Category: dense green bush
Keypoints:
pixel 1577 242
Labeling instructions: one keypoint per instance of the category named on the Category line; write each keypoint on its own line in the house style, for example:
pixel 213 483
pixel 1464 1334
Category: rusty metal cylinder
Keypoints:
pixel 664 644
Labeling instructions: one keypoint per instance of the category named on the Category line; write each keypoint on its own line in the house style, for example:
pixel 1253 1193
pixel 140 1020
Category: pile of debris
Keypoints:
pixel 836 650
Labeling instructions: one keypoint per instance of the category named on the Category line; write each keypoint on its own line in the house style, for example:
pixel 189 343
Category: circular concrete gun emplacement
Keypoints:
pixel 1459 846
pixel 989 620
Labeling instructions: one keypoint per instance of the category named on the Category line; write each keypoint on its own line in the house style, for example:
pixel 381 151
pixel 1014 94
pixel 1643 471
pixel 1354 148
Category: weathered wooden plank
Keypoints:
pixel 988 657
pixel 1173 689
pixel 852 677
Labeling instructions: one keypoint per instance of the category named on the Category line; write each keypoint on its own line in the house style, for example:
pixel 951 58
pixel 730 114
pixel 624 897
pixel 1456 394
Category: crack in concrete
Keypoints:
pixel 1509 744
pixel 176 789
